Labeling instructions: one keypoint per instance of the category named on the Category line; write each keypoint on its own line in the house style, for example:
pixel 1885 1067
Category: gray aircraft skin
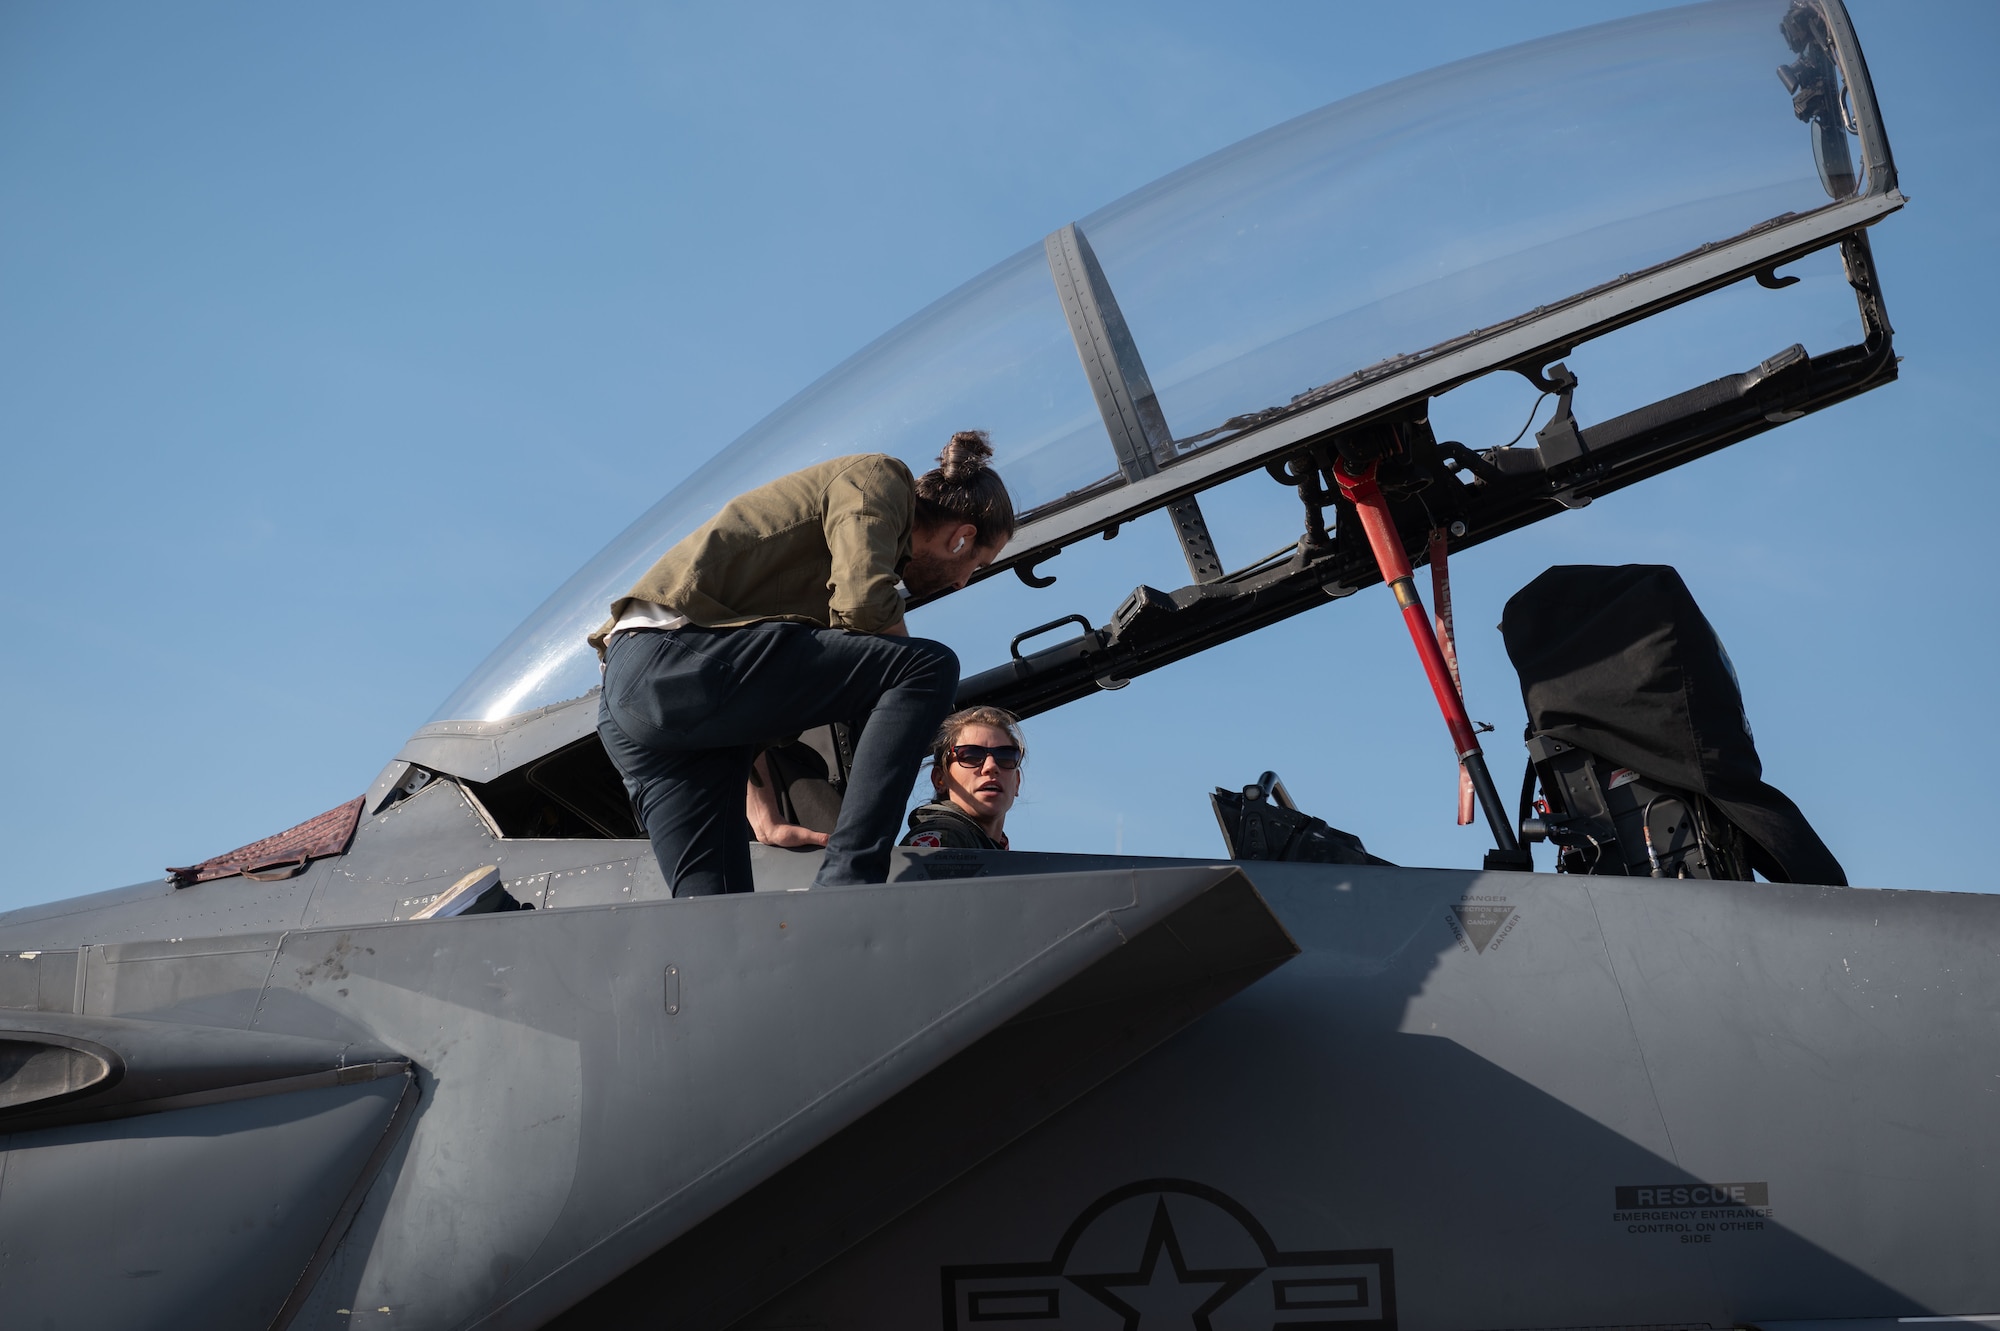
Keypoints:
pixel 349 1078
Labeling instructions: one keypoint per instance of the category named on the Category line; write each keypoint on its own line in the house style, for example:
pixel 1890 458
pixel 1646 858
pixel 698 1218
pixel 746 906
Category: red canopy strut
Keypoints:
pixel 1395 565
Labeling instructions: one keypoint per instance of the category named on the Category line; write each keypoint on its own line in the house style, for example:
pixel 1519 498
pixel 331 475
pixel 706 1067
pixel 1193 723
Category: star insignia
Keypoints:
pixel 1155 1297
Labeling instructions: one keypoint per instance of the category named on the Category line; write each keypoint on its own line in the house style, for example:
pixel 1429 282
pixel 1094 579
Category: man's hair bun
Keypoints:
pixel 965 456
pixel 963 488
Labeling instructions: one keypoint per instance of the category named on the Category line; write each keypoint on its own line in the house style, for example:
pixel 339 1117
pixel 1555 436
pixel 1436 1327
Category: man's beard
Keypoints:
pixel 923 575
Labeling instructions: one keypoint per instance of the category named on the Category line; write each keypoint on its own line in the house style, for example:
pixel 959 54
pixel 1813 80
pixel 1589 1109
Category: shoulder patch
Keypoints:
pixel 931 839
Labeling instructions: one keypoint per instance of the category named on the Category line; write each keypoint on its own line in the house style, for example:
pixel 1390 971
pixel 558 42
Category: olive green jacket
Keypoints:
pixel 822 546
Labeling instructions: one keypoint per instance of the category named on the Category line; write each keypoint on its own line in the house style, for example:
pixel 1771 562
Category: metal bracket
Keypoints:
pixel 1560 441
pixel 1025 570
pixel 1125 399
pixel 1197 547
pixel 1558 379
pixel 1305 471
pixel 1858 261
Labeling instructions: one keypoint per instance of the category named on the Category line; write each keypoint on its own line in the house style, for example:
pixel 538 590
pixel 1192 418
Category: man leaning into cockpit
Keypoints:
pixel 779 614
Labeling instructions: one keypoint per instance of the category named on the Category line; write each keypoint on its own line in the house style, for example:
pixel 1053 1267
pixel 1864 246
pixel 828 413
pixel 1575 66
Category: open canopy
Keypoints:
pixel 1479 216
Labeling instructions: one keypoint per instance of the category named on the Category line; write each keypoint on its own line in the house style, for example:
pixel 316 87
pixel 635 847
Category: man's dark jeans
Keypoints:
pixel 685 712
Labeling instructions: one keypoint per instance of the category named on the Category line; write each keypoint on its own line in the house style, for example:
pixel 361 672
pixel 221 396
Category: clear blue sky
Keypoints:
pixel 333 338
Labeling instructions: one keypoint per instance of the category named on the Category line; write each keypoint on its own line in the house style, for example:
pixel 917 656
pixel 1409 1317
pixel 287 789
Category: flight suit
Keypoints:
pixel 945 824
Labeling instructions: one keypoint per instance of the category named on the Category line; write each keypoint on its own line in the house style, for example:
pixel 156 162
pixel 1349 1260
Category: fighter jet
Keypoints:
pixel 451 1056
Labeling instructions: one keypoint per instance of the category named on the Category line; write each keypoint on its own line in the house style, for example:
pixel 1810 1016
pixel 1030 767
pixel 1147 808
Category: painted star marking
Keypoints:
pixel 1169 1296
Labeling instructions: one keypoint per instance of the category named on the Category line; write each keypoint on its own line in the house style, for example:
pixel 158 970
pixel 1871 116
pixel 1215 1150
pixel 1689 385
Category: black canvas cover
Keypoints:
pixel 1621 662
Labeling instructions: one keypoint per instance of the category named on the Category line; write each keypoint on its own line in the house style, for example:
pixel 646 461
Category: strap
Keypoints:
pixel 1441 598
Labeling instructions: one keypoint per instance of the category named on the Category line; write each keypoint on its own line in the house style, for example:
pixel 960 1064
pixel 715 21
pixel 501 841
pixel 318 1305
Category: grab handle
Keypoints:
pixel 1014 647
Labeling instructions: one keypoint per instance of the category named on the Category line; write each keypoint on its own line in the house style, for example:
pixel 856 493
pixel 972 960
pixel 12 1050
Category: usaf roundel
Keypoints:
pixel 1170 1252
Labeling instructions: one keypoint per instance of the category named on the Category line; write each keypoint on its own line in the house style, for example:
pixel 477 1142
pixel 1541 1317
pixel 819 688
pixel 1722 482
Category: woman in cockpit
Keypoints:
pixel 975 778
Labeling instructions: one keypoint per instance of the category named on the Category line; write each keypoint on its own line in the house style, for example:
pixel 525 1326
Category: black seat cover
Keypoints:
pixel 1620 661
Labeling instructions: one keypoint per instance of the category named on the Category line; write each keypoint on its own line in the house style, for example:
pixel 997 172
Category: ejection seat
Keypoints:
pixel 1639 739
pixel 810 773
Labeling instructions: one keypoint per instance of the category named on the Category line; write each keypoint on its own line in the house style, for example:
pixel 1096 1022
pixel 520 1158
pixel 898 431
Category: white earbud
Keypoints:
pixel 960 546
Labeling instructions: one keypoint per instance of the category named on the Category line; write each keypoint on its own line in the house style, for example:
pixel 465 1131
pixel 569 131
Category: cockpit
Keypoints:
pixel 1190 360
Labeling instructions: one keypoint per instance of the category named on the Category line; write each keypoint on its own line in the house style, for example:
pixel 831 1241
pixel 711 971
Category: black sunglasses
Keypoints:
pixel 1008 756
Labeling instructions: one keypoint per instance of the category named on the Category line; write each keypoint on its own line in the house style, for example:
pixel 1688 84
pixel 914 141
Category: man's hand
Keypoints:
pixel 898 629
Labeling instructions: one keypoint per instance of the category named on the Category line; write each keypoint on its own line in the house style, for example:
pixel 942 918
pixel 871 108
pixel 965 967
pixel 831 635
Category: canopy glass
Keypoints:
pixel 1378 226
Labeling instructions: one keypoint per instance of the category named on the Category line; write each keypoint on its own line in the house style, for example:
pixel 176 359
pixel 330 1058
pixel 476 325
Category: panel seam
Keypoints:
pixel 1638 1044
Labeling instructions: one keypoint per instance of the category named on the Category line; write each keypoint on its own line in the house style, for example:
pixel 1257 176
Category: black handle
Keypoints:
pixel 1014 647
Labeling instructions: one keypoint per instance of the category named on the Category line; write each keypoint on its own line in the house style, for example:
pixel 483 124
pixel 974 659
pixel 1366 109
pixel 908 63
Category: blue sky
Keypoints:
pixel 333 338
